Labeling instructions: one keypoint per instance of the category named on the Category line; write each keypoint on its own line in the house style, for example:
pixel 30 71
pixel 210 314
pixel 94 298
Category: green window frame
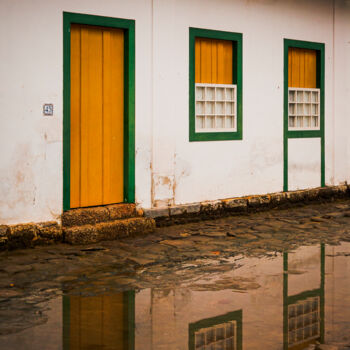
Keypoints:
pixel 236 316
pixel 292 299
pixel 320 83
pixel 236 38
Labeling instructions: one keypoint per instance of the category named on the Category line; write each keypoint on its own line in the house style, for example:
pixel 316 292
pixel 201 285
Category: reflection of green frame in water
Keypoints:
pixel 288 300
pixel 210 322
pixel 129 321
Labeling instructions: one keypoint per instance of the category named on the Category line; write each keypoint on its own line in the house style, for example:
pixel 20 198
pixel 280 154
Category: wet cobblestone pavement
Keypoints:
pixel 272 280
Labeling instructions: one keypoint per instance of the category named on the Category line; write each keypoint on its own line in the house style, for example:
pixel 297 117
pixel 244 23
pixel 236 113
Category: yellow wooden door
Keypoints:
pixel 97 113
pixel 213 61
pixel 301 68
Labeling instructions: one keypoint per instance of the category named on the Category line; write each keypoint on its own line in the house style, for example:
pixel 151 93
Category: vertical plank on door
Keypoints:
pixel 290 67
pixel 302 70
pixel 113 116
pixel 225 62
pixel 75 118
pixel 295 68
pixel 91 116
pixel 197 65
pixel 206 75
pixel 75 323
pixel 214 61
pixel 310 69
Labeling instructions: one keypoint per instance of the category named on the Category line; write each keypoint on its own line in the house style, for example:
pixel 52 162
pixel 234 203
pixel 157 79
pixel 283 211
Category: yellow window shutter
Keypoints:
pixel 213 61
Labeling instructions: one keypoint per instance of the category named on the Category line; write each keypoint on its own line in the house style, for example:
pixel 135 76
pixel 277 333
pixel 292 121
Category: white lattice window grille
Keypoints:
pixel 303 321
pixel 216 107
pixel 222 336
pixel 303 109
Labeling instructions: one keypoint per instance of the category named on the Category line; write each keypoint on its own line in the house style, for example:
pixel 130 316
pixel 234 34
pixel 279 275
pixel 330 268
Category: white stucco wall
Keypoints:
pixel 169 168
pixel 304 163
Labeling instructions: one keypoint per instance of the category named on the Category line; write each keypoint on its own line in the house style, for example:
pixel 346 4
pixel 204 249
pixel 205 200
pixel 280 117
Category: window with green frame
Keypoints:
pixel 215 85
pixel 304 97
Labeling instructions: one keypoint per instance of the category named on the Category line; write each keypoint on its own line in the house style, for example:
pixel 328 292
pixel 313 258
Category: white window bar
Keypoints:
pixel 303 321
pixel 221 336
pixel 303 109
pixel 216 107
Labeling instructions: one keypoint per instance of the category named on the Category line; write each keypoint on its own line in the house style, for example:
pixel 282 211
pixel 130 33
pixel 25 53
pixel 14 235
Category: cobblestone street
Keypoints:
pixel 172 258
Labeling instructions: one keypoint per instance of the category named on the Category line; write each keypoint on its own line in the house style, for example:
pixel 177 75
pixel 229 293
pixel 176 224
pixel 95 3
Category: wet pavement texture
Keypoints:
pixel 272 280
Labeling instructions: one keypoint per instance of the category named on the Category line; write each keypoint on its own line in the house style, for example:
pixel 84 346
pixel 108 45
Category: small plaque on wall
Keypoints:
pixel 48 109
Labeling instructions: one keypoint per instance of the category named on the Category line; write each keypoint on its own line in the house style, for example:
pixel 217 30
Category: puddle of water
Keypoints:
pixel 294 300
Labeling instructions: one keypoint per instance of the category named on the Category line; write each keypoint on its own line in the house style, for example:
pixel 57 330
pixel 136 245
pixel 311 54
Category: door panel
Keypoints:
pixel 97 113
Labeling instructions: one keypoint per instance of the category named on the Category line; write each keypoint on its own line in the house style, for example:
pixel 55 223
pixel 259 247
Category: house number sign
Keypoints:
pixel 48 109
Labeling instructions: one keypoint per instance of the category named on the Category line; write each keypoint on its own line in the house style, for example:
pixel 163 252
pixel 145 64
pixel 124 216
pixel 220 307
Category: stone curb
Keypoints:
pixel 233 206
pixel 33 234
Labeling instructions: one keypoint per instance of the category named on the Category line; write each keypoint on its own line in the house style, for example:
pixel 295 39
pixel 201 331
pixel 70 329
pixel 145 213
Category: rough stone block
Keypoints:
pixel 81 234
pixel 21 236
pixel 235 204
pixel 108 231
pixel 140 226
pixel 49 232
pixel 85 216
pixel 341 190
pixel 156 212
pixel 192 208
pixel 278 198
pixel 121 211
pixel 184 209
pixel 296 196
pixel 326 192
pixel 111 230
pixel 211 206
pixel 177 210
pixel 312 194
pixel 258 201
pixel 3 236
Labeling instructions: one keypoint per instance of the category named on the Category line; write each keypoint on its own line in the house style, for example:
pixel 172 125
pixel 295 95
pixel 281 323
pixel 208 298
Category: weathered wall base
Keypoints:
pixel 91 225
pixel 243 205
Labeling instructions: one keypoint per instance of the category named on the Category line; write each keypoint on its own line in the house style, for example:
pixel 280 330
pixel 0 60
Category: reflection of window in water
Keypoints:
pixel 219 337
pixel 303 321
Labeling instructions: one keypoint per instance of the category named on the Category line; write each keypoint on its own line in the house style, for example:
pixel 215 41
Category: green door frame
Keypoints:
pixel 287 134
pixel 129 98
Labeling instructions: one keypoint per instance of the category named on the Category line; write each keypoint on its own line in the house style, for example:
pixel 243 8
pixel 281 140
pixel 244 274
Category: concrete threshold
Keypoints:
pixel 91 225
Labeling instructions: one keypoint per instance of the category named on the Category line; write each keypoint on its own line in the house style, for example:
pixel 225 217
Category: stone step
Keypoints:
pixel 107 231
pixel 94 215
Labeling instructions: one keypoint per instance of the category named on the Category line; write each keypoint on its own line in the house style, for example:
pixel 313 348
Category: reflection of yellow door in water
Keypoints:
pixel 97 112
pixel 97 322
